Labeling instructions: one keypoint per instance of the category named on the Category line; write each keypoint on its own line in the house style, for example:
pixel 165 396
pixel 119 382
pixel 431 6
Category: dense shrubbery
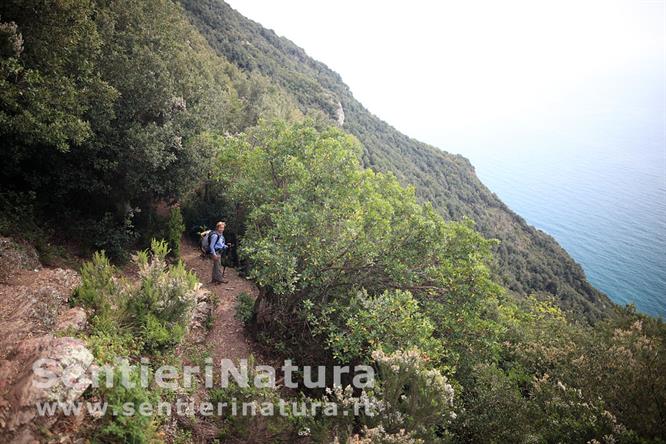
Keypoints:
pixel 175 229
pixel 320 228
pixel 347 259
pixel 390 320
pixel 526 261
pixel 154 312
pixel 128 320
pixel 103 111
pixel 107 108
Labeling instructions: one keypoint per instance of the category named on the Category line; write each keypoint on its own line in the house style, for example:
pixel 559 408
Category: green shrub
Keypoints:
pixel 158 335
pixel 119 427
pixel 113 235
pixel 107 343
pixel 151 316
pixel 175 229
pixel 129 319
pixel 244 308
pixel 417 398
pixel 389 321
pixel 159 308
pixel 99 289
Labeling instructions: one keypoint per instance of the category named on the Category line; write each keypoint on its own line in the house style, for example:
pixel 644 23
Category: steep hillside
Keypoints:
pixel 528 260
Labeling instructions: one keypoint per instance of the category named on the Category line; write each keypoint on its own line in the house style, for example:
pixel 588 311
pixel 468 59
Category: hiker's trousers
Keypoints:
pixel 218 276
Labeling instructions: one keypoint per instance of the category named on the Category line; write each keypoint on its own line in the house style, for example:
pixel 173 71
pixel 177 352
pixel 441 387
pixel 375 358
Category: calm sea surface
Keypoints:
pixel 595 179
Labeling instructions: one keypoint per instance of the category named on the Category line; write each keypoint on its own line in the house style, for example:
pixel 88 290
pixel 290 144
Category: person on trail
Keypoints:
pixel 217 246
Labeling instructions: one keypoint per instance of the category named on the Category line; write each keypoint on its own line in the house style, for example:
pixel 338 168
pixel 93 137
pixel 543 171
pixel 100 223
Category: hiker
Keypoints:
pixel 217 246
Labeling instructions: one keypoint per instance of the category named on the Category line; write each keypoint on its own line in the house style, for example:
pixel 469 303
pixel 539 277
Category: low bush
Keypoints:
pixel 415 396
pixel 244 308
pixel 123 422
pixel 99 288
pixel 388 321
pixel 128 320
pixel 175 230
pixel 150 316
pixel 159 308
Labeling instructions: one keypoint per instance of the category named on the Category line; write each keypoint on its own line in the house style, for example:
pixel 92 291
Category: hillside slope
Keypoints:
pixel 528 260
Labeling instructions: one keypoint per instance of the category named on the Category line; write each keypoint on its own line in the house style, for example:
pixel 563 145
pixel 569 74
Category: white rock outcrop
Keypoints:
pixel 340 114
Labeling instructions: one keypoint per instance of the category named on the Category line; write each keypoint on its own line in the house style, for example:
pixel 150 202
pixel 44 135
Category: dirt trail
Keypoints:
pixel 226 338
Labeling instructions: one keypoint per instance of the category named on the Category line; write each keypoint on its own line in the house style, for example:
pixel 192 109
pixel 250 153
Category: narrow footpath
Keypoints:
pixel 226 337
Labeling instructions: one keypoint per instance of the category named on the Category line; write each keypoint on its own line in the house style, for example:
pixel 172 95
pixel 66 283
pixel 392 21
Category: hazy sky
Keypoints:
pixel 443 71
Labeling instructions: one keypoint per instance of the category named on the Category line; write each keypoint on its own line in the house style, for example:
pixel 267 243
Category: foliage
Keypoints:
pixel 410 402
pixel 527 260
pixel 123 427
pixel 244 308
pixel 348 258
pixel 203 208
pixel 103 106
pixel 323 234
pixel 127 318
pixel 99 290
pixel 554 380
pixel 416 398
pixel 48 82
pixel 175 229
pixel 112 235
pixel 618 362
pixel 388 321
pixel 130 320
pixel 321 228
pixel 158 310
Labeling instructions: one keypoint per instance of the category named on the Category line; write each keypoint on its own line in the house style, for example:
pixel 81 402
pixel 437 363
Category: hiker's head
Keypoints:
pixel 220 226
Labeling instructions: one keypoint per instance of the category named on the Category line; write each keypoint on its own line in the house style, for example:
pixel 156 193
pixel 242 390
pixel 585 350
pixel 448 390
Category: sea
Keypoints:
pixel 593 175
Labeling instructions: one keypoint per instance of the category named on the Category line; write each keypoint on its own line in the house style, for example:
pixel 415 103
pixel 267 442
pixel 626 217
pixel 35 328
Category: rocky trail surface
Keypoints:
pixel 36 323
pixel 216 333
pixel 226 337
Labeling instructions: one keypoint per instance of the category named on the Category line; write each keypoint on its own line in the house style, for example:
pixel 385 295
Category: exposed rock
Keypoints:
pixel 32 304
pixel 65 360
pixel 15 257
pixel 25 436
pixel 340 114
pixel 200 314
pixel 73 319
